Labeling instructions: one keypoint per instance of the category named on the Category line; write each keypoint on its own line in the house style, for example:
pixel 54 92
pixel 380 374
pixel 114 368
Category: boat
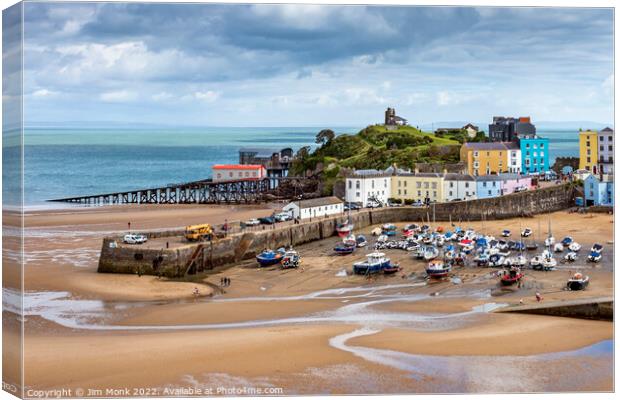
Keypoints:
pixel 505 233
pixel 558 247
pixel 425 228
pixel 430 252
pixel 578 282
pixel 344 229
pixel 440 241
pixel 518 246
pixel 389 229
pixel 375 262
pixel 496 260
pixel 597 247
pixel 518 261
pixel 437 269
pixel 376 232
pixel 570 257
pixel 439 229
pixel 536 262
pixel 392 269
pixel 574 247
pixel 512 276
pixel 531 246
pixel 567 241
pixel 547 261
pixel 594 256
pixel 291 259
pixel 419 252
pixel 269 257
pixel 550 241
pixel 360 241
pixel 502 245
pixel 482 259
pixel 527 232
pixel 343 248
pixel 412 227
pixel 350 240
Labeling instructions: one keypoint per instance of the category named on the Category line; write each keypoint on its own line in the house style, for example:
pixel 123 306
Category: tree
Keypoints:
pixel 325 136
pixel 303 152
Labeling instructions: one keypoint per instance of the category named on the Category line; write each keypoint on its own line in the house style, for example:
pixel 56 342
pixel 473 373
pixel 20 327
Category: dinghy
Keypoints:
pixel 361 241
pixel 389 229
pixel 594 256
pixel 511 276
pixel 527 232
pixel 430 252
pixel 574 247
pixel 567 241
pixel 597 247
pixel 344 249
pixel 505 233
pixel 344 229
pixel 578 282
pixel 550 241
pixel 558 247
pixel 496 260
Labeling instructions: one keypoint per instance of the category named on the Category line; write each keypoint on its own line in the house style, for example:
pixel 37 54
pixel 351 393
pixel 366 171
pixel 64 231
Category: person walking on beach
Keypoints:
pixel 539 297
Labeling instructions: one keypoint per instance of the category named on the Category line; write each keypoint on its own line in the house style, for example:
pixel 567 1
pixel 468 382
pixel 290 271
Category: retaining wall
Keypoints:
pixel 599 309
pixel 246 245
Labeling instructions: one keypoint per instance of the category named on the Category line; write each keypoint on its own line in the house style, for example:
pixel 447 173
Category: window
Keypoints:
pixel 385 183
pixel 434 185
pixel 405 183
pixel 451 185
pixel 542 146
pixel 527 145
pixel 534 146
pixel 357 194
pixel 405 192
pixel 467 184
pixel 219 175
pixel 419 193
pixel 588 143
pixel 602 148
pixel 399 192
pixel 357 184
pixel 398 183
pixel 489 192
pixel 610 148
pixel 254 173
pixel 230 174
pixel 350 185
pixel 484 184
pixel 475 154
pixel 450 193
pixel 372 183
pixel 588 159
pixel 609 138
pixel 434 194
pixel 488 154
pixel 418 184
pixel 247 174
pixel 425 185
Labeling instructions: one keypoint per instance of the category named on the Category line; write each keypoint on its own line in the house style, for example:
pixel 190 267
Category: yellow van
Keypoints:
pixel 198 232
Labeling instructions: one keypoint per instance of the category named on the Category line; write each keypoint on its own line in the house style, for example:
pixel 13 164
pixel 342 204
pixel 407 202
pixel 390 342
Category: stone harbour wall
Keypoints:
pixel 246 245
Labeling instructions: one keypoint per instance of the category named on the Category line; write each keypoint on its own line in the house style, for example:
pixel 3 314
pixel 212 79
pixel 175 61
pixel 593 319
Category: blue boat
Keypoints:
pixel 270 257
pixel 344 248
pixel 567 241
pixel 375 262
pixel 389 229
pixel 594 256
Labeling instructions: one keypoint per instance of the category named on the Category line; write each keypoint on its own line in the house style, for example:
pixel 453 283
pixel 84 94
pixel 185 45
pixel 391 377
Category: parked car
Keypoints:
pixel 394 204
pixel 520 189
pixel 373 204
pixel 252 222
pixel 351 206
pixel 267 220
pixel 417 203
pixel 133 238
pixel 281 217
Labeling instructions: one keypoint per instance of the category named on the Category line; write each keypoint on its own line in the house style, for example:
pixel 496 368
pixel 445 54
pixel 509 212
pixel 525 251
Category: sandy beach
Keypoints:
pixel 276 328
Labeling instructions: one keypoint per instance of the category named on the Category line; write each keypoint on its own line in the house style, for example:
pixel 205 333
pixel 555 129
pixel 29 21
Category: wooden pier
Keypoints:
pixel 196 192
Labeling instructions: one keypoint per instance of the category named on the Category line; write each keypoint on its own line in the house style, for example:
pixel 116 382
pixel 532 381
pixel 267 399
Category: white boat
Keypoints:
pixel 517 261
pixel 570 257
pixel 574 247
pixel 430 253
pixel 526 232
pixel 550 241
pixel 437 269
pixel 558 247
pixel 536 262
pixel 375 262
pixel 497 260
pixel 597 247
pixel 350 240
pixel 594 256
pixel 547 261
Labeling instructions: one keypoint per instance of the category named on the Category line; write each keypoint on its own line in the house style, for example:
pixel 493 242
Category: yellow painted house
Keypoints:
pixel 485 158
pixel 418 186
pixel 588 150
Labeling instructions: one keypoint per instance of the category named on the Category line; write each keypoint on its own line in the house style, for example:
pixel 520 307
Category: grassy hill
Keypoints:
pixel 377 147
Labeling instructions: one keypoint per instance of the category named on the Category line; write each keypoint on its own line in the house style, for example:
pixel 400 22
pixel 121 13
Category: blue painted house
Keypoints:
pixel 488 186
pixel 598 192
pixel 534 154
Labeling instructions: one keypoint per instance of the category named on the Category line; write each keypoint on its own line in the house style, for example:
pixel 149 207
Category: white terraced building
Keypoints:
pixel 606 150
pixel 459 187
pixel 313 208
pixel 368 184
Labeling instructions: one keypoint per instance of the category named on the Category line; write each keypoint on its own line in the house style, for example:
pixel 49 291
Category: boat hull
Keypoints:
pixel 366 269
pixel 577 285
pixel 265 262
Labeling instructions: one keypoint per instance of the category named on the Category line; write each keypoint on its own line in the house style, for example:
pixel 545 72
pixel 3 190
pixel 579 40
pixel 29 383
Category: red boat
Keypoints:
pixel 511 277
pixel 344 229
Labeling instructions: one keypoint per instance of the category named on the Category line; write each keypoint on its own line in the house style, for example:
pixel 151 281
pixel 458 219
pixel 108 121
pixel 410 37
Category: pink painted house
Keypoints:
pixel 512 183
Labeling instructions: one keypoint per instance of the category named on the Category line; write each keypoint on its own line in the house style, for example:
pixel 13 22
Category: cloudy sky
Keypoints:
pixel 297 65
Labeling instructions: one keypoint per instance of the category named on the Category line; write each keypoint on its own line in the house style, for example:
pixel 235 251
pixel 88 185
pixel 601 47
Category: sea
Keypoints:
pixel 63 162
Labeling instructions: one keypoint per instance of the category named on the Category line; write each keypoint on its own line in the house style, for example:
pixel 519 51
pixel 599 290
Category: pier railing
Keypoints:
pixel 197 192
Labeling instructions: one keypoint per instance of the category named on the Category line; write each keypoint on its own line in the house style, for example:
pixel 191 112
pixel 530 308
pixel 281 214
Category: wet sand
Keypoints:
pixel 291 317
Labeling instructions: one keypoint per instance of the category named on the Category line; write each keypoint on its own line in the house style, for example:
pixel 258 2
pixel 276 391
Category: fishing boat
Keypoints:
pixel 567 241
pixel 578 282
pixel 548 262
pixel 437 269
pixel 558 247
pixel 597 247
pixel 430 252
pixel 512 276
pixel 574 247
pixel 570 257
pixel 375 262
pixel 361 241
pixel 269 257
pixel 344 248
pixel 506 233
pixel 344 229
pixel 594 256
pixel 527 232
pixel 291 259
pixel 412 227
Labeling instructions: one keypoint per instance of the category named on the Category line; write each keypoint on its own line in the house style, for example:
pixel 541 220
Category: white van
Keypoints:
pixel 133 238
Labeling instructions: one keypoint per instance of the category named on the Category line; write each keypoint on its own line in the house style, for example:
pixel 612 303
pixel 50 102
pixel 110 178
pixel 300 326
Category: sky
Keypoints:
pixel 306 65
